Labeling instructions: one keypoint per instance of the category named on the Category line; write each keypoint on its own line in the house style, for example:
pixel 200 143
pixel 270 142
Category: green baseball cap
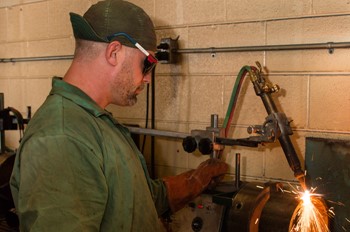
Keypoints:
pixel 109 17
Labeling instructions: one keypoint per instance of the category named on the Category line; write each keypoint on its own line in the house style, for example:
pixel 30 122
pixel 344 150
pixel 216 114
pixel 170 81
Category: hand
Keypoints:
pixel 209 171
pixel 183 188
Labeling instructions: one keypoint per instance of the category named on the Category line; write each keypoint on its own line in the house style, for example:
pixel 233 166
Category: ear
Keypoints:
pixel 111 52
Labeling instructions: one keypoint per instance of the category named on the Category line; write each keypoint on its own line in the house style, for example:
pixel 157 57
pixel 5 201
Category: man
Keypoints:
pixel 77 168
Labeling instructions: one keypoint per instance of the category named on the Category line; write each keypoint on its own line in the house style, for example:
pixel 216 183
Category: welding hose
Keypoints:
pixel 234 96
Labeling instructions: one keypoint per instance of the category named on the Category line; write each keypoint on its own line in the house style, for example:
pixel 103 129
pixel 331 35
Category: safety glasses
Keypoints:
pixel 150 61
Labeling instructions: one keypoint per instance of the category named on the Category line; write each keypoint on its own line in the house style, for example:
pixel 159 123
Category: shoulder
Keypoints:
pixel 59 117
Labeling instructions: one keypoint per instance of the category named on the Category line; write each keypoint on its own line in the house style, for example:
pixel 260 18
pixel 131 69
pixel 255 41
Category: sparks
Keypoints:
pixel 311 213
pixel 306 198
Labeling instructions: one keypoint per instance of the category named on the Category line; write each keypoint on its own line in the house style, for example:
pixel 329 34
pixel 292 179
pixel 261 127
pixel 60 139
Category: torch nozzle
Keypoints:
pixel 301 179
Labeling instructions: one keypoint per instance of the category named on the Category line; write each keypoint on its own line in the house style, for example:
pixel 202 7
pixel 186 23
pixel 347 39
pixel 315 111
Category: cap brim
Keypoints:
pixel 83 30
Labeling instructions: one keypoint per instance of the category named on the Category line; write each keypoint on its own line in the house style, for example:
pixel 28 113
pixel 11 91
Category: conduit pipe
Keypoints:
pixel 330 46
pixel 40 58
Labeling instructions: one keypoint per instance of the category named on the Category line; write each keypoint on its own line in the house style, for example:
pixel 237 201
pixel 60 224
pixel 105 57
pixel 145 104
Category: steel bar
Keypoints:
pixel 238 170
pixel 2 132
pixel 161 133
pixel 329 45
pixel 40 58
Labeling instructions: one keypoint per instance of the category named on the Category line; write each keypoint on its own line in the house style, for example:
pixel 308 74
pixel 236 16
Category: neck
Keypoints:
pixel 88 77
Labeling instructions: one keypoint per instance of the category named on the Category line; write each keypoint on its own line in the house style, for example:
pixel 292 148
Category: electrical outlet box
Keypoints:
pixel 166 51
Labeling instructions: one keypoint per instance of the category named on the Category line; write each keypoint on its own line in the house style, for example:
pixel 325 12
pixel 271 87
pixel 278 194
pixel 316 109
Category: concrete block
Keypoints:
pixel 2 50
pixel 188 99
pixel 15 21
pixel 227 35
pixel 3 25
pixel 47 69
pixel 170 153
pixel 172 98
pixel 177 69
pixel 222 63
pixel 4 88
pixel 14 50
pixel 309 30
pixel 169 12
pixel 20 93
pixel 329 6
pixel 189 12
pixel 266 9
pixel 330 103
pixel 35 18
pixel 13 70
pixel 9 3
pixel 292 99
pixel 59 21
pixel 51 47
pixel 308 61
pixel 194 11
pixel 15 96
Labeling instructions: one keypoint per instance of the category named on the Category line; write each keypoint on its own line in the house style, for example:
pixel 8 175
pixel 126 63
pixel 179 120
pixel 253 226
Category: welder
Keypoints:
pixel 77 168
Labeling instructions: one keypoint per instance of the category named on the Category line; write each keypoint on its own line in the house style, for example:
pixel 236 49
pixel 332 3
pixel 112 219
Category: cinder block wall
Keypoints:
pixel 315 84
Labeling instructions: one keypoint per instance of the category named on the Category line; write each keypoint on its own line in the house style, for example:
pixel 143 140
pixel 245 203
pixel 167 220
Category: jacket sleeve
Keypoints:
pixel 58 185
pixel 158 190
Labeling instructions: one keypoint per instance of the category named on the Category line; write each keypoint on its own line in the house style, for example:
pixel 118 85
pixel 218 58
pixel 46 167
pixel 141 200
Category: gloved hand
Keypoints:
pixel 183 188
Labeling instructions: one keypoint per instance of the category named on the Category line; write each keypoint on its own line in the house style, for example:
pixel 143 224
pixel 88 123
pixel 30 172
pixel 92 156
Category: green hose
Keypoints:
pixel 234 96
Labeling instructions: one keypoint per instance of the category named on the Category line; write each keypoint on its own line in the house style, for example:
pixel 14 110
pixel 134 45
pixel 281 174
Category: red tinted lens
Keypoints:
pixel 149 63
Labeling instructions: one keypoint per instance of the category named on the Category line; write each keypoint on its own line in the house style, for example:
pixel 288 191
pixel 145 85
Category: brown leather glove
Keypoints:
pixel 183 188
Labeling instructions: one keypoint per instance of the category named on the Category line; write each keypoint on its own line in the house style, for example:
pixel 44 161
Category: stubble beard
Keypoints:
pixel 125 91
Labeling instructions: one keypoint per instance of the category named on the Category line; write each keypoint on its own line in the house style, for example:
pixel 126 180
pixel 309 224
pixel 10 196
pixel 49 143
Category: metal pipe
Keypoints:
pixel 2 132
pixel 238 170
pixel 153 132
pixel 329 45
pixel 40 58
pixel 214 121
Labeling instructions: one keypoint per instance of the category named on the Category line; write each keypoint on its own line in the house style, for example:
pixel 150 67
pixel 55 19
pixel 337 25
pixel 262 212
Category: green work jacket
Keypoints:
pixel 77 169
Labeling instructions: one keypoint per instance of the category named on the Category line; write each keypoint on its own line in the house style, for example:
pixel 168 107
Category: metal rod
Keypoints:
pixel 238 170
pixel 2 132
pixel 40 58
pixel 153 132
pixel 329 45
pixel 214 121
